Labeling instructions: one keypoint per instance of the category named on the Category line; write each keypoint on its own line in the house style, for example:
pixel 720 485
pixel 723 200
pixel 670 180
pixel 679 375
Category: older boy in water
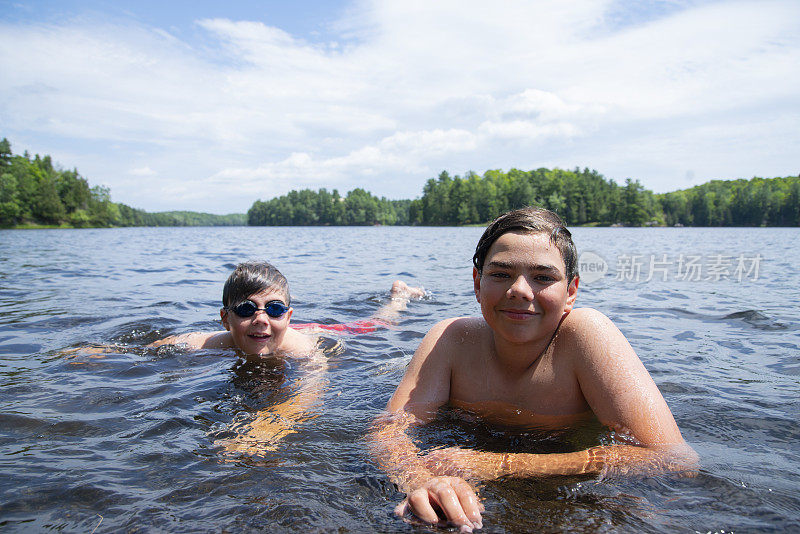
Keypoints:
pixel 256 313
pixel 531 360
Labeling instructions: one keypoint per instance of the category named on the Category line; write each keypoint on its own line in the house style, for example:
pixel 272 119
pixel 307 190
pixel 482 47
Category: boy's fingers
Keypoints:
pixel 401 509
pixel 451 506
pixel 449 496
pixel 469 502
pixel 420 505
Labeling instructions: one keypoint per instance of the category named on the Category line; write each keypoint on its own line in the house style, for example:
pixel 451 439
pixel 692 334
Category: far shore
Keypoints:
pixel 37 226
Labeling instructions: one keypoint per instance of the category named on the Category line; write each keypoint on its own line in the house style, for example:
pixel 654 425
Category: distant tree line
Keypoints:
pixel 578 196
pixel 33 191
pixel 313 208
pixel 581 197
pixel 754 202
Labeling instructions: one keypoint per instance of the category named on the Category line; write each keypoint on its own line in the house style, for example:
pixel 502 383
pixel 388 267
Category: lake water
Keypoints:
pixel 127 442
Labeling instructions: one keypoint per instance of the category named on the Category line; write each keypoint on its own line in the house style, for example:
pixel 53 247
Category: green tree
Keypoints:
pixel 47 206
pixel 101 210
pixel 73 191
pixel 5 153
pixel 634 211
pixel 9 202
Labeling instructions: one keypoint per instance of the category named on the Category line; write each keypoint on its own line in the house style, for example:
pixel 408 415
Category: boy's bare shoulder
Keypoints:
pixel 587 334
pixel 584 320
pixel 460 330
pixel 453 342
pixel 447 338
pixel 299 342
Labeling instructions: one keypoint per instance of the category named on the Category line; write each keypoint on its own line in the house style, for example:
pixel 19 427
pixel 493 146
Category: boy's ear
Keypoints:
pixel 572 294
pixel 223 314
pixel 476 280
pixel 289 315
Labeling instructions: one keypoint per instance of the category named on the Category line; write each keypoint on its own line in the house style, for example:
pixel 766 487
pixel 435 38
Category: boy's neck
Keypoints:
pixel 518 358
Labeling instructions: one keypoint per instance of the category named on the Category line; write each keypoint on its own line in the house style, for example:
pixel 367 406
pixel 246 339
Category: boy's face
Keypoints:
pixel 523 290
pixel 259 333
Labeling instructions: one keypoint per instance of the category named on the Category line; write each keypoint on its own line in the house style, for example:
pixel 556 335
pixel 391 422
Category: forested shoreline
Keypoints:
pixel 34 193
pixel 581 197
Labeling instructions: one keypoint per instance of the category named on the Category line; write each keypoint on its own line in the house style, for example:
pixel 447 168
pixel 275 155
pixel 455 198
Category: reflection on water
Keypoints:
pixel 131 439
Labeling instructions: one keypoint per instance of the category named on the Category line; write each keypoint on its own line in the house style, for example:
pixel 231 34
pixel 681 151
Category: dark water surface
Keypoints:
pixel 127 442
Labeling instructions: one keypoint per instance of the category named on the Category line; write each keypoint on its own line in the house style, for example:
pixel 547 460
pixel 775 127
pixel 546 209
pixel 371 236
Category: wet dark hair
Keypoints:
pixel 253 277
pixel 532 220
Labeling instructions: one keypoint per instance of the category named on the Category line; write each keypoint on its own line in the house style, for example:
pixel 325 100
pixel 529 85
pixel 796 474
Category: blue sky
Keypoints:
pixel 303 18
pixel 209 106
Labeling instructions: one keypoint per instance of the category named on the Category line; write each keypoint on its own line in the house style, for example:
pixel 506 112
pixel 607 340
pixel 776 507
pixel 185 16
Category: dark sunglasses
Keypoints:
pixel 274 309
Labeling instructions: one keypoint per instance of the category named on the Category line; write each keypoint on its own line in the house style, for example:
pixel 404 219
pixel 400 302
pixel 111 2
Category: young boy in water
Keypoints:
pixel 529 361
pixel 255 313
pixel 255 287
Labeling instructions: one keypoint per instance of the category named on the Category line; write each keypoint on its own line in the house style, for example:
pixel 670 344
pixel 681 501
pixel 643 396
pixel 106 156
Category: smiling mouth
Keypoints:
pixel 518 314
pixel 260 337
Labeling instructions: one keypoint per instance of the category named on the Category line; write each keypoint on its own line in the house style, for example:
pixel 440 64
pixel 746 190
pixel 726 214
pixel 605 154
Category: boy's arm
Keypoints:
pixel 192 341
pixel 424 388
pixel 622 395
pixel 198 340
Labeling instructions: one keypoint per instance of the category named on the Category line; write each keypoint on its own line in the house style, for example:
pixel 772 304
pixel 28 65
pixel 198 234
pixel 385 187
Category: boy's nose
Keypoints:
pixel 261 315
pixel 521 288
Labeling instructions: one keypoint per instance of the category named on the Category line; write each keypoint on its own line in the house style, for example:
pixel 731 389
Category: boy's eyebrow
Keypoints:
pixel 534 267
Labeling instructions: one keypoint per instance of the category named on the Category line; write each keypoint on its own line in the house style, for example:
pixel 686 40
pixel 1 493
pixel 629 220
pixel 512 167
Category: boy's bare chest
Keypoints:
pixel 544 391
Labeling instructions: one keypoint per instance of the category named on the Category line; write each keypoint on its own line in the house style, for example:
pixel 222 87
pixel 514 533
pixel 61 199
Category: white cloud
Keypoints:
pixel 423 143
pixel 142 171
pixel 545 105
pixel 410 88
pixel 528 130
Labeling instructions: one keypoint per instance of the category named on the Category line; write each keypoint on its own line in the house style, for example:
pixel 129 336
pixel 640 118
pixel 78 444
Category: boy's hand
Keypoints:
pixel 452 497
